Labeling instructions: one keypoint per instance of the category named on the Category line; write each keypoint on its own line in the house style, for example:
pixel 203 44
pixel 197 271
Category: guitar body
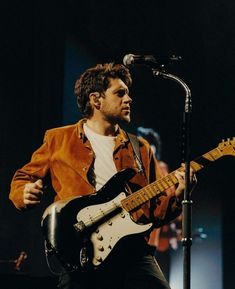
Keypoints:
pixel 82 231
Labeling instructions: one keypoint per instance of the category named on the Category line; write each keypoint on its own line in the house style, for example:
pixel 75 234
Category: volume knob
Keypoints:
pixel 100 248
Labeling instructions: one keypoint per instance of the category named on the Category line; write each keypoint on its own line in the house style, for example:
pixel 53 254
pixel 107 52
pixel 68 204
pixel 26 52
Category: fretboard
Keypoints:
pixel 156 188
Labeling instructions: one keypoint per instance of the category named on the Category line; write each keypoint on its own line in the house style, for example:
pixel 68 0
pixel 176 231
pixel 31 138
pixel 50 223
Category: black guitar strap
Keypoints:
pixel 135 144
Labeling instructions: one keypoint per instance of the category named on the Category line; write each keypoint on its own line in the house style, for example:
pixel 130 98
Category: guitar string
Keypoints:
pixel 211 156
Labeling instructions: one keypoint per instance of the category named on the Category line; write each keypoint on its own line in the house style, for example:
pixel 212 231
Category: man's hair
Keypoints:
pixel 96 79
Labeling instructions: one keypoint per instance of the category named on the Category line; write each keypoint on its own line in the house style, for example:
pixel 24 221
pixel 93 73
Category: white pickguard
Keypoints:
pixel 111 231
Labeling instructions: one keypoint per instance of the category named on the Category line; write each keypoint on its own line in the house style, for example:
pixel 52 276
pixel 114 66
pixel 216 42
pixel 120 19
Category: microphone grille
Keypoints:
pixel 128 59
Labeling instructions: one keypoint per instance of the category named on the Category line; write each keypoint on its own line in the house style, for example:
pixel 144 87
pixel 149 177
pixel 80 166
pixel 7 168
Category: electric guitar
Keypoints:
pixel 82 231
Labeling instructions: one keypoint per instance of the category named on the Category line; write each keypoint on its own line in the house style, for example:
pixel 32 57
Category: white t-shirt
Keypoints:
pixel 103 146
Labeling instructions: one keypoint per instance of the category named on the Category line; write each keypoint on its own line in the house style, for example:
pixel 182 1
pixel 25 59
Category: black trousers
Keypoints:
pixel 142 272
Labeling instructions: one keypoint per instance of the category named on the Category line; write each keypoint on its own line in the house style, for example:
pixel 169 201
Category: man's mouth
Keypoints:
pixel 126 109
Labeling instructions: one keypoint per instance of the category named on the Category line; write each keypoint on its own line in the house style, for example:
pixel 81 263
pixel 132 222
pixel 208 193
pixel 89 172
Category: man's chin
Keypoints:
pixel 126 119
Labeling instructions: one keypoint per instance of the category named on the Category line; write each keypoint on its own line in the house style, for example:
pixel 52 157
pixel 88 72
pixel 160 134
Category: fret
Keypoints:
pixel 133 201
pixel 209 157
pixel 212 155
pixel 150 194
pixel 145 195
pixel 153 190
pixel 126 205
pixel 158 188
pixel 216 153
pixel 161 188
pixel 129 206
pixel 195 166
pixel 143 199
pixel 134 204
pixel 169 181
pixel 163 184
pixel 139 199
pixel 173 178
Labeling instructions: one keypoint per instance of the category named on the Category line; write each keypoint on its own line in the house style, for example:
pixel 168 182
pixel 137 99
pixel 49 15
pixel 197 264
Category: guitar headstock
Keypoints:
pixel 227 147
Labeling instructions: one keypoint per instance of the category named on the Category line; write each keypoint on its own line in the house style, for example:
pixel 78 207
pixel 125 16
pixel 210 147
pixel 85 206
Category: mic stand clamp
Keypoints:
pixel 187 202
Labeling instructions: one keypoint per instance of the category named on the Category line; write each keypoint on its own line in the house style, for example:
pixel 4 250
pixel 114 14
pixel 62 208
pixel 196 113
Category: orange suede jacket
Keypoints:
pixel 67 155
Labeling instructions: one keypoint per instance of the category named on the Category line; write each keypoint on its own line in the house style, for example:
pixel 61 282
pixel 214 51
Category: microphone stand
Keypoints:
pixel 187 202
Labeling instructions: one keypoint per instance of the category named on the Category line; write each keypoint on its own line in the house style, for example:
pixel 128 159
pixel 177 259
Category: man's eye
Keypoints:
pixel 121 93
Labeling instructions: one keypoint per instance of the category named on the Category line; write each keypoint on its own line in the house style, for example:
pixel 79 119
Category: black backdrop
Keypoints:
pixel 33 41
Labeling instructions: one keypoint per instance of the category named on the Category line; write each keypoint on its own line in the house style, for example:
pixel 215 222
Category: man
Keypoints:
pixel 81 158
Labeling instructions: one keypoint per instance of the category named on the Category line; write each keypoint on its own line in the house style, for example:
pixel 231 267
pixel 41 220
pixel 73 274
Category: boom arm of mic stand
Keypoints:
pixel 188 101
pixel 187 202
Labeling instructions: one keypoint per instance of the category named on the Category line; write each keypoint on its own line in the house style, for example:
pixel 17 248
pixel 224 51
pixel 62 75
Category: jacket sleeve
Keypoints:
pixel 36 169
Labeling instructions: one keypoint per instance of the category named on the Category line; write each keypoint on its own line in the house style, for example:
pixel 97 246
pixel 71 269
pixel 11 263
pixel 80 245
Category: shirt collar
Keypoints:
pixel 121 135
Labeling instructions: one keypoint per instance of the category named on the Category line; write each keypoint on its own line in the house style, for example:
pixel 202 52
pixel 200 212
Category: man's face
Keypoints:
pixel 115 104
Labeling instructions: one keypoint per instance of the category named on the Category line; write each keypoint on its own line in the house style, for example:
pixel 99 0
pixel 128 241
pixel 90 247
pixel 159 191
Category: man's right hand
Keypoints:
pixel 32 193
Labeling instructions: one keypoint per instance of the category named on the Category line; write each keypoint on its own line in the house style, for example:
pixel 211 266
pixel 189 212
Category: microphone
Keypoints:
pixel 130 60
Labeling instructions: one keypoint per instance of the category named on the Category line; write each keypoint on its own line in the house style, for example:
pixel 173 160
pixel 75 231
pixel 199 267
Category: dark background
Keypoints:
pixel 34 41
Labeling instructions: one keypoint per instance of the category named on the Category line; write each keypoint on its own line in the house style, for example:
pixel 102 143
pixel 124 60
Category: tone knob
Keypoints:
pixel 99 237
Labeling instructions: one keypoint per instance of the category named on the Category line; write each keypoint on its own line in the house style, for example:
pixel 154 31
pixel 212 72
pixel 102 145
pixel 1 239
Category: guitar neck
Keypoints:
pixel 156 188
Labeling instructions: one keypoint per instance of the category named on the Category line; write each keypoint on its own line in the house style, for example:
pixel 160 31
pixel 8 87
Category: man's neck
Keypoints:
pixel 102 127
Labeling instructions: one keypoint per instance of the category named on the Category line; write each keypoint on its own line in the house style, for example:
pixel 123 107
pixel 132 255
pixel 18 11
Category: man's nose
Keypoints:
pixel 128 99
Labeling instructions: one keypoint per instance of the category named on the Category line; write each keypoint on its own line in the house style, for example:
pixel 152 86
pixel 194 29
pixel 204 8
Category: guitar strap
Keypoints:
pixel 136 147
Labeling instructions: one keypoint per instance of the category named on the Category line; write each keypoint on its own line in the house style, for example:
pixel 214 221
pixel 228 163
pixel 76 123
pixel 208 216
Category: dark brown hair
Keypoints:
pixel 96 79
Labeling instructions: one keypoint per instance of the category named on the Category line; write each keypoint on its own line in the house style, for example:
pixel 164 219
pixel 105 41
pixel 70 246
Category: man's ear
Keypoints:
pixel 95 99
